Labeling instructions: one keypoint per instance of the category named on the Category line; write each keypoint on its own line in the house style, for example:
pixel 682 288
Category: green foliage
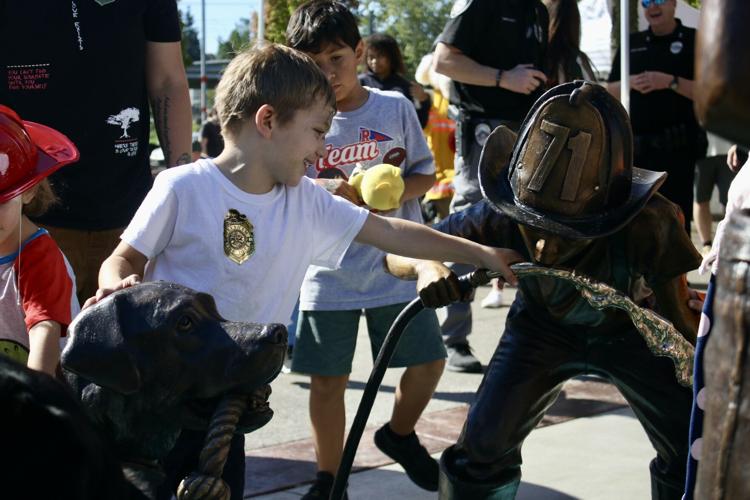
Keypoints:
pixel 238 39
pixel 278 13
pixel 277 16
pixel 694 3
pixel 191 47
pixel 415 25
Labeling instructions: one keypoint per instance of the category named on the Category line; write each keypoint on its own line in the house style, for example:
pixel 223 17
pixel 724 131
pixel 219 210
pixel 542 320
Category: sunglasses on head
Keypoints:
pixel 647 3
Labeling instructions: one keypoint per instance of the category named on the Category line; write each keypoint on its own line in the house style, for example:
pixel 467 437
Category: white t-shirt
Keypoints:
pixel 182 228
pixel 738 198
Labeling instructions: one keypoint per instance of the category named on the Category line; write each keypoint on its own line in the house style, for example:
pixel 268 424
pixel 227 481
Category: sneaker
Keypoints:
pixel 461 359
pixel 321 488
pixel 421 468
pixel 493 300
pixel 287 366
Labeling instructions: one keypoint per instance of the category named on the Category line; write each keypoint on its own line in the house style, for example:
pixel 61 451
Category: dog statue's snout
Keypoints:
pixel 274 333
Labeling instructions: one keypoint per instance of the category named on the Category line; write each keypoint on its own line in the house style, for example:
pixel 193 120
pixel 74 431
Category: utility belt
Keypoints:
pixel 473 129
pixel 681 137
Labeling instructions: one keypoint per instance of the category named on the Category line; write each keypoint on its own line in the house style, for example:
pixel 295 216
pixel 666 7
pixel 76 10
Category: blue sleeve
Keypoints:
pixel 483 224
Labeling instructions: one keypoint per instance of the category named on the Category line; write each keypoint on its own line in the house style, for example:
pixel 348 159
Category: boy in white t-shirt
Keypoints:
pixel 245 226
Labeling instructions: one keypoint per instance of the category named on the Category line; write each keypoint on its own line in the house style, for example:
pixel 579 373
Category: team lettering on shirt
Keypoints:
pixel 365 149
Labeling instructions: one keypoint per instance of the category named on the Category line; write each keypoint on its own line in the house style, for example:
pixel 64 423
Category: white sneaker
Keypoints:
pixel 493 300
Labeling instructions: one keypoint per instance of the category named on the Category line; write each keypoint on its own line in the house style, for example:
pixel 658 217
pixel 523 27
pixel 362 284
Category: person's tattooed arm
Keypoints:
pixel 170 101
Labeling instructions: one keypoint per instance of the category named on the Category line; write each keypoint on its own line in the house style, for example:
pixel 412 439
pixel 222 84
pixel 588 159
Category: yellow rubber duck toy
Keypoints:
pixel 380 187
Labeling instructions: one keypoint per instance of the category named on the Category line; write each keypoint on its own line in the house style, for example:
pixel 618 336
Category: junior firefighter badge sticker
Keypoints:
pixel 239 239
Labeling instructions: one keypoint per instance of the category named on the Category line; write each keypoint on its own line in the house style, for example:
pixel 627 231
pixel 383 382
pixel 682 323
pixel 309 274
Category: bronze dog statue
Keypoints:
pixel 150 360
pixel 51 449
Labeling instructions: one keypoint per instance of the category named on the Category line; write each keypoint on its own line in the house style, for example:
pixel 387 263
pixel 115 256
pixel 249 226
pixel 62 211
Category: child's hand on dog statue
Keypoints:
pixel 127 282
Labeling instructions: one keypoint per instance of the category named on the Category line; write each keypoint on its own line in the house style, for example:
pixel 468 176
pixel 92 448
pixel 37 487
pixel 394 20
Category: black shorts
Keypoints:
pixel 710 172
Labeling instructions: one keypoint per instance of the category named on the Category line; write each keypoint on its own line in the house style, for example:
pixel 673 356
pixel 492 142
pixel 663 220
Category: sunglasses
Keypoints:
pixel 647 3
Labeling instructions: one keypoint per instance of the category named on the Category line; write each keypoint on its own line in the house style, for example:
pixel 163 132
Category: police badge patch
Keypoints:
pixel 459 6
pixel 239 238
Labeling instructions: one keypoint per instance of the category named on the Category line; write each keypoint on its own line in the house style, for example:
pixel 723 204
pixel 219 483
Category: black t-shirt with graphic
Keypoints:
pixel 673 54
pixel 500 34
pixel 79 67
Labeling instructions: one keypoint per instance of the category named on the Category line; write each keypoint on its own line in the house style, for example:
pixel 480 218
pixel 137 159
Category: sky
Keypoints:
pixel 221 16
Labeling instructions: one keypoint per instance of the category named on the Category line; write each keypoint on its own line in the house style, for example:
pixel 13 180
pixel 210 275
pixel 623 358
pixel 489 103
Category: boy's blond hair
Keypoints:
pixel 276 75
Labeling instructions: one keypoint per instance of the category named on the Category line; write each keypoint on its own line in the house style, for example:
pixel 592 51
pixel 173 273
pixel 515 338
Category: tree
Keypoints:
pixel 238 39
pixel 191 47
pixel 415 25
pixel 124 118
pixel 278 13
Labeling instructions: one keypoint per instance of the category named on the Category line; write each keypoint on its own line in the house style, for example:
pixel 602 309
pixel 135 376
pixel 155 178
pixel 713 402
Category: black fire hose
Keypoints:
pixel 466 283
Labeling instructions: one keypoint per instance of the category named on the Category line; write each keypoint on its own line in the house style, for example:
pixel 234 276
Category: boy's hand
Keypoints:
pixel 437 285
pixel 127 282
pixel 500 259
pixel 340 187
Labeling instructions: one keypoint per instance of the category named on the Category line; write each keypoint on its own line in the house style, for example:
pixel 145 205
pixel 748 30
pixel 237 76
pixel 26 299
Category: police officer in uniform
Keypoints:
pixel 667 135
pixel 492 50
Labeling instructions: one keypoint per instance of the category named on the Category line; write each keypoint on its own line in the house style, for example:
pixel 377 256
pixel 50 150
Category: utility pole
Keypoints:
pixel 262 24
pixel 625 54
pixel 203 62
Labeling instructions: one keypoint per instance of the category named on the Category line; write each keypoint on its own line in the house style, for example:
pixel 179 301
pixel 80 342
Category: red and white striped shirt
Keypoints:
pixel 39 286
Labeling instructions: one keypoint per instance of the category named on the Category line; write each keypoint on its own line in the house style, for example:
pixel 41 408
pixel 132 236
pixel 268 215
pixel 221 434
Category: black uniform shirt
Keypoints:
pixel 672 54
pixel 500 34
pixel 79 67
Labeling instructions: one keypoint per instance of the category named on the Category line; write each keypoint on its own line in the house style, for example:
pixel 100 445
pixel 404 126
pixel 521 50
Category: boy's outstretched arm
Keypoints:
pixel 410 239
pixel 122 269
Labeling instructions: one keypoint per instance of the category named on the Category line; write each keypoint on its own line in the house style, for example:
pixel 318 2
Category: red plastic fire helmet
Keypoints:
pixel 29 152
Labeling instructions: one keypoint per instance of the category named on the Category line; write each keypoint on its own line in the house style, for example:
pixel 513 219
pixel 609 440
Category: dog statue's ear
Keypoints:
pixel 96 348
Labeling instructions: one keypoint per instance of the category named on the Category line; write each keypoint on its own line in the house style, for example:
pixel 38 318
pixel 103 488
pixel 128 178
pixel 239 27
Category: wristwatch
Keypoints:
pixel 674 83
pixel 498 76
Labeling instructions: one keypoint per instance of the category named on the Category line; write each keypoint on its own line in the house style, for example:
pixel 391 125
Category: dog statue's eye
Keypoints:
pixel 185 323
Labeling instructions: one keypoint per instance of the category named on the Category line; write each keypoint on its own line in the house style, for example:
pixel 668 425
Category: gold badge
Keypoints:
pixel 239 239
